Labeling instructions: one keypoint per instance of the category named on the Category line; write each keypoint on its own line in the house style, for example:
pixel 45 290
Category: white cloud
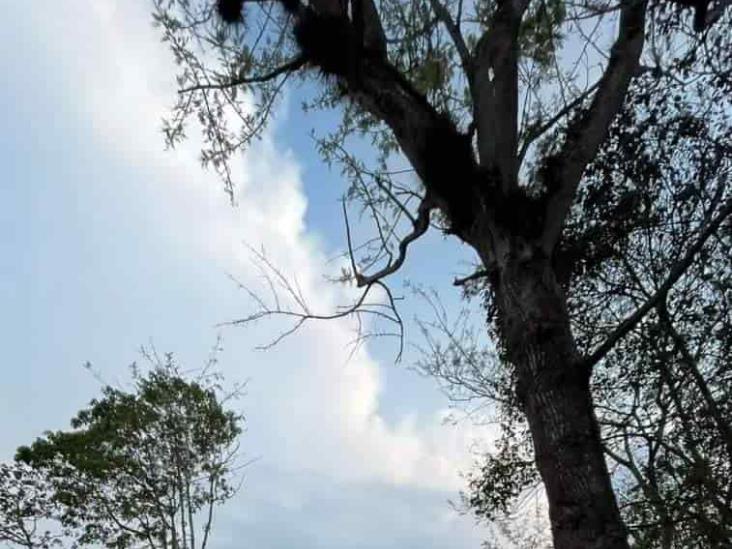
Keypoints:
pixel 309 409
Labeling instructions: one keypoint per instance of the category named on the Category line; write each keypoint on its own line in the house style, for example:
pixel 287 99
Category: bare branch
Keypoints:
pixel 300 313
pixel 477 275
pixel 288 67
pixel 420 226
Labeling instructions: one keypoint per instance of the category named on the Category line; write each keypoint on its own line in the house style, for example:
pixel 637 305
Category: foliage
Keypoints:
pixel 26 508
pixel 142 467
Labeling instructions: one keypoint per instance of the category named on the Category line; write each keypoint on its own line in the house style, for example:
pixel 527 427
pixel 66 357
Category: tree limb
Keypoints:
pixel 420 226
pixel 495 92
pixel 290 66
pixel 453 29
pixel 477 275
pixel 533 133
pixel 586 134
pixel 419 129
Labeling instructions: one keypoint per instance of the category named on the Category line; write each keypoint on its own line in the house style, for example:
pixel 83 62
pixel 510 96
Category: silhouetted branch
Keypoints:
pixel 675 273
pixel 288 67
pixel 420 226
pixel 461 281
pixel 533 133
pixel 587 132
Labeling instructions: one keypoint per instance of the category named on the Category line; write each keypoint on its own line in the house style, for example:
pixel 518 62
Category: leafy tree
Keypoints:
pixel 143 468
pixel 563 143
pixel 26 508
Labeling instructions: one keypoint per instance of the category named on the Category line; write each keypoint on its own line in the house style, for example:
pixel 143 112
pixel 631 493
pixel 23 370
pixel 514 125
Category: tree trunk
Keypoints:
pixel 555 393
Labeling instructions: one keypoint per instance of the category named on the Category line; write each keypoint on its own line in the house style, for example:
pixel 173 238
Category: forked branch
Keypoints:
pixel 419 227
pixel 289 301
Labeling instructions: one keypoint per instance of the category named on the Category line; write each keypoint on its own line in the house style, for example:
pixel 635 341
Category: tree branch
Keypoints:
pixel 422 134
pixel 477 275
pixel 420 226
pixel 533 133
pixel 675 273
pixel 290 66
pixel 495 92
pixel 586 134
pixel 453 29
pixel 717 415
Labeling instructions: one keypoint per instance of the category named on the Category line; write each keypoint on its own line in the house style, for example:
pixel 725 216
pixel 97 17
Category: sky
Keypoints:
pixel 109 242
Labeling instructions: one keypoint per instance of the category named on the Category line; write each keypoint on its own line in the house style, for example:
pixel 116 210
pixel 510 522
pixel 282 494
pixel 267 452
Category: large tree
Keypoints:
pixel 542 134
pixel 662 395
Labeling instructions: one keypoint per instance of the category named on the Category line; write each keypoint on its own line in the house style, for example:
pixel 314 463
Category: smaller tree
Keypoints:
pixel 145 467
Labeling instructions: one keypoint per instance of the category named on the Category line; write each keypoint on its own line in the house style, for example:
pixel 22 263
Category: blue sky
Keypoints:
pixel 109 242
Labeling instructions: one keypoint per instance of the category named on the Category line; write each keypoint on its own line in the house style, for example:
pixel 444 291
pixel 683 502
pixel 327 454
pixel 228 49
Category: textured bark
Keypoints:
pixel 555 393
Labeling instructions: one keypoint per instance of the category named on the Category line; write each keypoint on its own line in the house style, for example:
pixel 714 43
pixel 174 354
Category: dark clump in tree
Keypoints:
pixel 230 11
pixel 326 41
pixel 452 170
